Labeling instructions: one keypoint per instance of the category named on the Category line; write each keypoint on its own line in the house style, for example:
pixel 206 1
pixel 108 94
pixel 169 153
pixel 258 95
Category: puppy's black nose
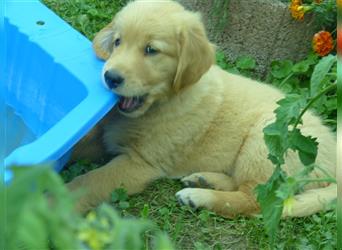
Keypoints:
pixel 113 79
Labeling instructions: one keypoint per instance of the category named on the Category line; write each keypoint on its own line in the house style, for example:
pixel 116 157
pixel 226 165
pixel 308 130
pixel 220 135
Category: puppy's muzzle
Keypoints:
pixel 113 79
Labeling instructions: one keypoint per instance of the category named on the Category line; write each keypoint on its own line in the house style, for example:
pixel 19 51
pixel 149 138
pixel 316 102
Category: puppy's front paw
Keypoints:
pixel 217 181
pixel 196 180
pixel 195 197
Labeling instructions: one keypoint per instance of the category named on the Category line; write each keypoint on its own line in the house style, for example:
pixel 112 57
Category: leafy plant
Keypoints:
pixel 310 83
pixel 119 198
pixel 244 65
pixel 104 229
pixel 76 169
pixel 283 135
pixel 39 214
pixel 38 203
pixel 87 16
pixel 326 14
pixel 325 11
pixel 300 79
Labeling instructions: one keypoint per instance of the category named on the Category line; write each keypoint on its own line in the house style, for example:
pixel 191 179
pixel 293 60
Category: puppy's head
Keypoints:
pixel 153 49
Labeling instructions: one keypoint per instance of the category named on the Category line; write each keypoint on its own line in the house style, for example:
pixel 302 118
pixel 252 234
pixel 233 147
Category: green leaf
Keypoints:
pixel 221 60
pixel 145 211
pixel 286 88
pixel 83 19
pixel 162 242
pixel 306 146
pixel 301 67
pixel 281 69
pixel 114 197
pixel 164 211
pixel 31 197
pixel 331 104
pixel 220 57
pixel 204 216
pixel 319 73
pixel 287 189
pixel 271 205
pixel 290 108
pixel 119 194
pixel 291 85
pixel 275 139
pixel 245 62
pixel 200 246
pixel 233 71
pixel 306 158
pixel 123 204
pixel 312 58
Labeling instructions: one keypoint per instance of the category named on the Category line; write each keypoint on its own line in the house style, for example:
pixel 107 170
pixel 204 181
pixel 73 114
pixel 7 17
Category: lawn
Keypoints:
pixel 186 228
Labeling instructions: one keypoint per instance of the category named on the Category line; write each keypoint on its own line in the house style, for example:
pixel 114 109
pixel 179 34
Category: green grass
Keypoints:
pixel 190 229
pixel 203 229
pixel 193 229
pixel 87 16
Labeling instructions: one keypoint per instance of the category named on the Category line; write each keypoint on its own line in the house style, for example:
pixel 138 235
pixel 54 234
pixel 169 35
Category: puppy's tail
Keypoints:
pixel 311 201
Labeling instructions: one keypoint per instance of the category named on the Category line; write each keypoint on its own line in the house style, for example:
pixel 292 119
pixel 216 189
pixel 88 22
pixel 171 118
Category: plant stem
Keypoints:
pixel 334 31
pixel 329 120
pixel 332 180
pixel 331 74
pixel 285 80
pixel 323 171
pixel 313 99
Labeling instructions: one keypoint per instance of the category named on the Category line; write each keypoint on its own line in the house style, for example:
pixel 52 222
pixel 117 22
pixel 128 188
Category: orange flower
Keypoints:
pixel 339 3
pixel 297 9
pixel 322 43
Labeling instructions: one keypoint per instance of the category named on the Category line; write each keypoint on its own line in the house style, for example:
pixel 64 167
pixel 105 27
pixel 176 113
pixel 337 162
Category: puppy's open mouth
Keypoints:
pixel 130 104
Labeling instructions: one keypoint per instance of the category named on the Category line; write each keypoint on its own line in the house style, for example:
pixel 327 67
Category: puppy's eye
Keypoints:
pixel 117 42
pixel 150 51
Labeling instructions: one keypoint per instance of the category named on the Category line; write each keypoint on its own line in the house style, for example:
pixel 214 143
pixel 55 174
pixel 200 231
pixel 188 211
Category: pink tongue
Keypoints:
pixel 128 103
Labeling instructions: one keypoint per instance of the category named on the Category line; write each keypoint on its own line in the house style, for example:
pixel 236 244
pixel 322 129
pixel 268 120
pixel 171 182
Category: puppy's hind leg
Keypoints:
pixel 227 204
pixel 217 181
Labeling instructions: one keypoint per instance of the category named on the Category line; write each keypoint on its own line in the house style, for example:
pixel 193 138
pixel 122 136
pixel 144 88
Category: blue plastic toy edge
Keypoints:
pixel 71 128
pixel 2 90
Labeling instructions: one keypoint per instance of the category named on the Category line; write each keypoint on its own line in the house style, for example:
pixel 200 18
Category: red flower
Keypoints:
pixel 323 43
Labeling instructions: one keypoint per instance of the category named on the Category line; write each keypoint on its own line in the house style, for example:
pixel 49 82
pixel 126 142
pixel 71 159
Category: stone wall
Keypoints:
pixel 262 29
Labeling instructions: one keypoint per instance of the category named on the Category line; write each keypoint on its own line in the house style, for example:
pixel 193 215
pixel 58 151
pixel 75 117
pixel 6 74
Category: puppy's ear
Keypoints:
pixel 103 41
pixel 196 53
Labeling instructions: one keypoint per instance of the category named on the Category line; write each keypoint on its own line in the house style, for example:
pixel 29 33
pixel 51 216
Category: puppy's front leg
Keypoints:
pixel 127 171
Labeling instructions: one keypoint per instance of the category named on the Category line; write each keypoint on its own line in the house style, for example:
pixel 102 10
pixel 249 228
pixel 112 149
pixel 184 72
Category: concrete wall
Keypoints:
pixel 262 29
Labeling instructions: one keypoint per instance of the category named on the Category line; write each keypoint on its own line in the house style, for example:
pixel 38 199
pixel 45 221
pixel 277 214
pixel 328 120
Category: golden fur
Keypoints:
pixel 198 122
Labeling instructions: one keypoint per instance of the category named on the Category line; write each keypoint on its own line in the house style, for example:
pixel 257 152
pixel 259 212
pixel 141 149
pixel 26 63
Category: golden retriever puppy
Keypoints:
pixel 181 116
